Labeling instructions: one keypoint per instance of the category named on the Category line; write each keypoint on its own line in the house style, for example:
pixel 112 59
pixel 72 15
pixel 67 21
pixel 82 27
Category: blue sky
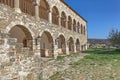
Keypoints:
pixel 102 15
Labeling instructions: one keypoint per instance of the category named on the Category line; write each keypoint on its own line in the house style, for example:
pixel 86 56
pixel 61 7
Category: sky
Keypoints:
pixel 102 15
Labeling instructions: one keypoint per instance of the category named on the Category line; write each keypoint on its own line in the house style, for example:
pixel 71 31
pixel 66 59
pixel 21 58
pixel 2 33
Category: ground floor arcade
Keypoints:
pixel 45 44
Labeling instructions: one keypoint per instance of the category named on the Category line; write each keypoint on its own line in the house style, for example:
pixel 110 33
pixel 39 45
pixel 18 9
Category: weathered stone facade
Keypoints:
pixel 24 28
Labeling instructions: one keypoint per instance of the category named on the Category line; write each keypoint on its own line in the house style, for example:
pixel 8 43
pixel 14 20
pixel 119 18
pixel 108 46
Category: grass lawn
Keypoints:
pixel 101 64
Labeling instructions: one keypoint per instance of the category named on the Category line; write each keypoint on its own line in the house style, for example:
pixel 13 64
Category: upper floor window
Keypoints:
pixel 63 19
pixel 43 9
pixel 69 23
pixel 74 25
pixel 8 2
pixel 27 6
pixel 55 15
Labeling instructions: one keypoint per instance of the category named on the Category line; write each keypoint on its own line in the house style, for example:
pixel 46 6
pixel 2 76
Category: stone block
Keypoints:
pixel 11 41
pixel 10 54
pixel 1 42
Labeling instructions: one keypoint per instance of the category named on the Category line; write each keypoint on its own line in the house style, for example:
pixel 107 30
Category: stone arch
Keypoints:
pixel 77 45
pixel 61 44
pixel 46 44
pixel 14 23
pixel 71 44
pixel 63 19
pixel 69 23
pixel 74 25
pixel 44 9
pixel 55 15
pixel 22 34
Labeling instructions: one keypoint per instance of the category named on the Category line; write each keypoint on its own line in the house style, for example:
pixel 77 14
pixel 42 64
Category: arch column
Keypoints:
pixel 55 49
pixel 72 27
pixel 59 18
pixel 16 6
pixel 80 47
pixel 75 48
pixel 67 48
pixel 50 16
pixel 66 23
pixel 36 4
pixel 34 44
pixel 86 46
pixel 37 42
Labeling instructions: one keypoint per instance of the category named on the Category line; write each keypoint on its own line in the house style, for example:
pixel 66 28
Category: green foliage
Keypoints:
pixel 118 50
pixel 114 37
pixel 60 58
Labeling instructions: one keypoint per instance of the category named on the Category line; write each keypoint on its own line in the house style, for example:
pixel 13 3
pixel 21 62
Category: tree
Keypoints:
pixel 114 37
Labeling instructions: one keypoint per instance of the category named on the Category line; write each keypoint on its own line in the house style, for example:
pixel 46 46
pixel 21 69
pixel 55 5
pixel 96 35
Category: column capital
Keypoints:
pixel 36 2
pixel 50 10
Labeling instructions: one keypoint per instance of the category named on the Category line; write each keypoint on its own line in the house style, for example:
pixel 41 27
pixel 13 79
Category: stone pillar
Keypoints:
pixel 55 51
pixel 80 47
pixel 75 48
pixel 34 44
pixel 36 4
pixel 37 51
pixel 16 6
pixel 59 21
pixel 66 23
pixel 50 16
pixel 86 47
pixel 72 27
pixel 67 48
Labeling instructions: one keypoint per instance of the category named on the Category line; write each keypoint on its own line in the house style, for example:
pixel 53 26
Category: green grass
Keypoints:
pixel 100 64
pixel 99 55
pixel 59 58
pixel 98 50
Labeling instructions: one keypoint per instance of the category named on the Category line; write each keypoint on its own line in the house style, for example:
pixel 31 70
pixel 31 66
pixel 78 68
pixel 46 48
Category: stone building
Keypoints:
pixel 31 29
pixel 47 28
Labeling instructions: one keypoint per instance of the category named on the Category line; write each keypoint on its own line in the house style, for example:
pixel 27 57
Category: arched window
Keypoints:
pixel 69 23
pixel 55 15
pixel 27 6
pixel 8 2
pixel 74 25
pixel 78 27
pixel 63 19
pixel 43 9
pixel 81 29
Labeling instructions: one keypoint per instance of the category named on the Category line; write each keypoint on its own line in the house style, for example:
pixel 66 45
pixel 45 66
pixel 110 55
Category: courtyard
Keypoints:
pixel 98 64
